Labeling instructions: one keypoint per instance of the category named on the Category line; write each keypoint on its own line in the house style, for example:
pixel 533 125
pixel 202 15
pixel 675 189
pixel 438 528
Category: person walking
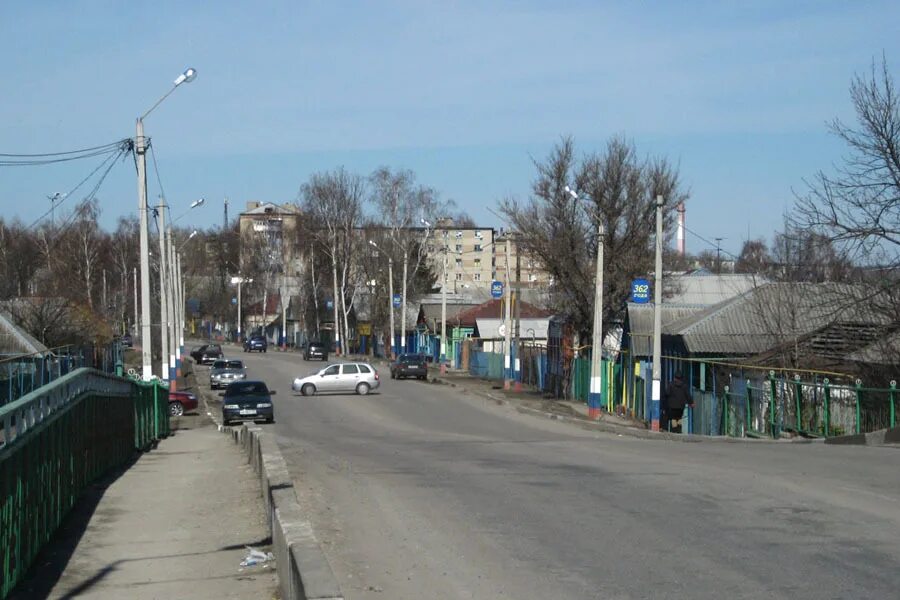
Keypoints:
pixel 677 397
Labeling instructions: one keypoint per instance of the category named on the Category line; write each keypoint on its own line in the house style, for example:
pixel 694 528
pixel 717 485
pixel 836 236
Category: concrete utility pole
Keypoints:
pixel 444 312
pixel 337 326
pixel 172 311
pixel 140 151
pixel 656 390
pixel 403 307
pixel 595 395
pixel 136 324
pixel 518 303
pixel 163 295
pixel 283 312
pixel 507 323
pixel 390 344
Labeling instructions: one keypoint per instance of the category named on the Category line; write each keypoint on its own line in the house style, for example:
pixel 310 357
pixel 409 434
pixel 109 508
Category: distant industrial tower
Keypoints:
pixel 679 236
pixel 225 222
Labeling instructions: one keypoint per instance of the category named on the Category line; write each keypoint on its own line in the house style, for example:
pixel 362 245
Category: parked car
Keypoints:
pixel 206 354
pixel 409 365
pixel 345 377
pixel 247 401
pixel 181 402
pixel 255 342
pixel 315 350
pixel 225 371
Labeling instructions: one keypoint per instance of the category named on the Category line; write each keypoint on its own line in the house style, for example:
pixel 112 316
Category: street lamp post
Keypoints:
pixel 443 354
pixel 172 322
pixel 595 395
pixel 239 281
pixel 656 389
pixel 140 151
pixel 390 347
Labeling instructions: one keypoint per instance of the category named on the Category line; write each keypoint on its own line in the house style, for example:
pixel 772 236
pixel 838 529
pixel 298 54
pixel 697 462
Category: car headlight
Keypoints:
pixel 263 405
pixel 230 406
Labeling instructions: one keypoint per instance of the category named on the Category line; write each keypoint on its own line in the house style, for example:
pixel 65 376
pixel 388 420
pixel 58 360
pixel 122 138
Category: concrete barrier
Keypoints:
pixel 874 438
pixel 303 571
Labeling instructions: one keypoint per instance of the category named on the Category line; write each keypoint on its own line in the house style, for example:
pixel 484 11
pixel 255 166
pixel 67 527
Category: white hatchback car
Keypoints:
pixel 345 377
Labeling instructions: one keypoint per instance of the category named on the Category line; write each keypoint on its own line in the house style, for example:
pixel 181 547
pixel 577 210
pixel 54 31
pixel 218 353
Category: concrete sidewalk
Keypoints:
pixel 173 525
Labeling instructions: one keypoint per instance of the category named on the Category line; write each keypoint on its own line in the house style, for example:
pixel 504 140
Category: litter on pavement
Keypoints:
pixel 255 557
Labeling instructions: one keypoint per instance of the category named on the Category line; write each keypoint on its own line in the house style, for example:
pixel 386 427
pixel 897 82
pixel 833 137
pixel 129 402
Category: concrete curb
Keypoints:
pixel 874 438
pixel 303 571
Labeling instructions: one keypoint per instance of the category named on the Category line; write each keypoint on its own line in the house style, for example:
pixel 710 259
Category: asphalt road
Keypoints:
pixel 419 491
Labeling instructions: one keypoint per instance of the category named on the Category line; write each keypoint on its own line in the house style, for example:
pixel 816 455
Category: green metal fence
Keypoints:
pixel 58 439
pixel 815 408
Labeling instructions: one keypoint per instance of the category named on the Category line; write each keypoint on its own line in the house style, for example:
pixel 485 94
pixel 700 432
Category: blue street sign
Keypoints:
pixel 496 289
pixel 329 304
pixel 234 300
pixel 640 291
pixel 397 300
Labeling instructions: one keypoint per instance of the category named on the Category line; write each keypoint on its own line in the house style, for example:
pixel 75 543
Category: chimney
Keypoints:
pixel 679 236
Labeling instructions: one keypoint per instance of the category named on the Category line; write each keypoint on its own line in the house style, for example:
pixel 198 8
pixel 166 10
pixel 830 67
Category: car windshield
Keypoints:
pixel 410 358
pixel 232 364
pixel 219 364
pixel 253 388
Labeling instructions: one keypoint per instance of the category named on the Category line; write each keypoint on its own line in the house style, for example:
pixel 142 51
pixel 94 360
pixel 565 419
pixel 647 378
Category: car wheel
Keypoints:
pixel 362 389
pixel 176 409
pixel 272 420
pixel 264 350
pixel 308 389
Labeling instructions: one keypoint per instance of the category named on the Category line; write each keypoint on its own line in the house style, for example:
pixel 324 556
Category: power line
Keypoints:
pixel 162 192
pixel 712 245
pixel 30 160
pixel 111 159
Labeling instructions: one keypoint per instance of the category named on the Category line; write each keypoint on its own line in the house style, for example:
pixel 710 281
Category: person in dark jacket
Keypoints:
pixel 677 397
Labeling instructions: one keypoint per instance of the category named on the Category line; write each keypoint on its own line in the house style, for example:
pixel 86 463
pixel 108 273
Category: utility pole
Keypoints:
pixel 718 255
pixel 507 323
pixel 518 301
pixel 225 220
pixel 140 151
pixel 403 308
pixel 656 390
pixel 444 312
pixel 163 297
pixel 595 395
pixel 337 328
pixel 283 312
pixel 136 324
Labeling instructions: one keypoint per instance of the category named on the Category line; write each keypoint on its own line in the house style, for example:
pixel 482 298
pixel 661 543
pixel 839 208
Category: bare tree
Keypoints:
pixel 333 201
pixel 19 259
pixel 858 206
pixel 618 189
pixel 754 258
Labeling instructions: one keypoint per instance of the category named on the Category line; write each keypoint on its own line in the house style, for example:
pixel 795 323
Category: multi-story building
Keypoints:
pixel 477 255
pixel 269 233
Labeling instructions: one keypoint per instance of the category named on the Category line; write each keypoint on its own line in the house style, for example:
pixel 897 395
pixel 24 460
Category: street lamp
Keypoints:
pixel 595 395
pixel 239 281
pixel 443 357
pixel 390 347
pixel 140 150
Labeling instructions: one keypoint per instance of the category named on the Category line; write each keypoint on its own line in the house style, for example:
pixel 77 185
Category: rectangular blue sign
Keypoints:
pixel 640 291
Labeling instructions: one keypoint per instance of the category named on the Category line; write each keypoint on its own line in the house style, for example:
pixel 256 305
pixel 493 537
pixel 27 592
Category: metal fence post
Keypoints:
pixel 858 393
pixel 747 408
pixel 725 409
pixel 798 395
pixel 773 405
pixel 891 394
pixel 827 390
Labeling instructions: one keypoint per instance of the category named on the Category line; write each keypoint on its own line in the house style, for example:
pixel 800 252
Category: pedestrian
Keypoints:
pixel 677 397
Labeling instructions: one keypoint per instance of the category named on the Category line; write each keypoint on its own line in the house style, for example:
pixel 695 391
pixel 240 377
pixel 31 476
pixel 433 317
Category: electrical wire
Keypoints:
pixel 109 159
pixel 162 192
pixel 712 245
pixel 30 160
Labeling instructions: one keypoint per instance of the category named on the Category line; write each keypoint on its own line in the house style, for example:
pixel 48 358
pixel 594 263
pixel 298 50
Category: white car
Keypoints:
pixel 345 377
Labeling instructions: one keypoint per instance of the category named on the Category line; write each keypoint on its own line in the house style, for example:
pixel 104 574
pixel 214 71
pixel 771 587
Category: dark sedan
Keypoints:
pixel 206 354
pixel 256 343
pixel 316 350
pixel 181 402
pixel 247 401
pixel 409 365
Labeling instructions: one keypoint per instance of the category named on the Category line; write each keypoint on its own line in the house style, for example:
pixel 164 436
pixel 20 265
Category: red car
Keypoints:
pixel 181 402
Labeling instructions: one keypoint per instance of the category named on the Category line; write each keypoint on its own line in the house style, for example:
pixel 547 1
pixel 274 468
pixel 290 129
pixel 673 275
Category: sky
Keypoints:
pixel 466 94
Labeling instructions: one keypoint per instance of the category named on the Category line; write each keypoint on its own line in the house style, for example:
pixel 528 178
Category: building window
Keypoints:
pixel 478 262
pixel 478 235
pixel 459 276
pixel 458 263
pixel 477 277
pixel 459 234
pixel 477 247
pixel 532 277
pixel 459 247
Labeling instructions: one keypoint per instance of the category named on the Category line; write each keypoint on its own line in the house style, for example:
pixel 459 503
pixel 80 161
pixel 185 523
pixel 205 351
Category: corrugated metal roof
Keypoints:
pixel 708 289
pixel 640 319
